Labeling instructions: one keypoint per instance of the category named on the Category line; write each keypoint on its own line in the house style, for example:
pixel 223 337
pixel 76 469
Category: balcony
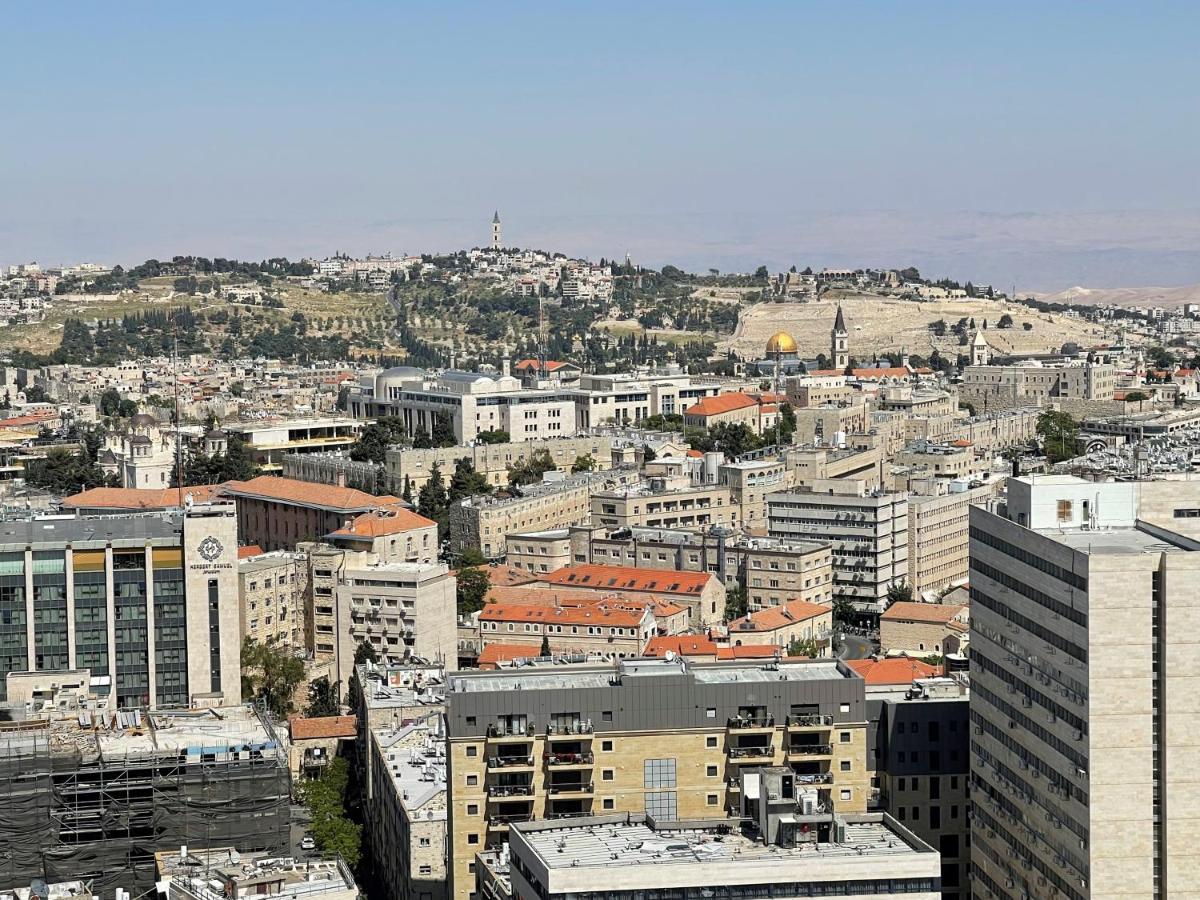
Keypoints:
pixel 749 755
pixel 572 789
pixel 815 778
pixel 751 724
pixel 578 731
pixel 809 722
pixel 502 793
pixel 569 760
pixel 501 821
pixel 518 734
pixel 511 763
pixel 810 751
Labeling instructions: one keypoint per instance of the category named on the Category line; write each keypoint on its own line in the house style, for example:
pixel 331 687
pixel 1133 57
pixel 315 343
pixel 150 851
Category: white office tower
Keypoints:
pixel 1085 621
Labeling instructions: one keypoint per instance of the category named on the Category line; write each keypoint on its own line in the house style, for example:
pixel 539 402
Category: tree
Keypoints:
pixel 1027 326
pixel 365 653
pixel 1006 321
pixel 322 699
pixel 1159 357
pixel 648 454
pixel 899 592
pixel 493 437
pixel 1060 435
pixel 844 611
pixel 545 648
pixel 331 828
pixel 466 482
pixel 270 675
pixel 374 440
pixel 803 647
pixel 432 498
pixel 583 463
pixel 472 590
pixel 938 327
pixel 531 469
pixel 443 430
pixel 110 402
pixel 62 472
pixel 761 272
pixel 735 603
pixel 1136 396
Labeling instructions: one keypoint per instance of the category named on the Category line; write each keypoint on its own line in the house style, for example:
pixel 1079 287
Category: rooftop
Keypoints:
pixel 220 873
pixel 935 613
pixel 138 498
pixel 95 530
pixel 308 729
pixel 703 850
pixel 307 493
pixel 623 578
pixel 416 758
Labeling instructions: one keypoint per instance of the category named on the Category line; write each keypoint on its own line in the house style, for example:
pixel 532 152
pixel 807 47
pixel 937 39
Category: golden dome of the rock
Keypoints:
pixel 781 342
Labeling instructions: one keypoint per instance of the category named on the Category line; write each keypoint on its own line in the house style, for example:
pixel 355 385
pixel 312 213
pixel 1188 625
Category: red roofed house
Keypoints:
pixel 315 742
pixel 780 625
pixel 395 534
pixel 895 670
pixel 531 371
pixel 701 592
pixel 701 648
pixel 496 654
pixel 106 500
pixel 598 629
pixel 276 513
pixel 669 617
pixel 921 629
pixel 759 413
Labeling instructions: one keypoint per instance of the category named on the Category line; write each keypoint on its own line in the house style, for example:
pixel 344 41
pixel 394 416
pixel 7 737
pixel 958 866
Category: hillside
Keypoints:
pixel 1166 297
pixel 878 324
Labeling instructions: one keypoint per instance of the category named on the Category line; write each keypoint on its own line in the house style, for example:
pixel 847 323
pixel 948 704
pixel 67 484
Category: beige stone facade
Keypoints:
pixel 674 505
pixel 274 596
pixel 494 460
pixel 923 629
pixel 539 551
pixel 938 539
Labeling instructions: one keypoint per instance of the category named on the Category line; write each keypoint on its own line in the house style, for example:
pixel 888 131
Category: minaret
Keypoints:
pixel 496 231
pixel 839 343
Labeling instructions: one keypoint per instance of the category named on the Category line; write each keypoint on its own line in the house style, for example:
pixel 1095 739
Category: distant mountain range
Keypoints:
pixel 1166 297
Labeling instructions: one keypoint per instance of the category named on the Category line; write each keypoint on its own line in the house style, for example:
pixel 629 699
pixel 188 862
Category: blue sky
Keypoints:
pixel 1048 144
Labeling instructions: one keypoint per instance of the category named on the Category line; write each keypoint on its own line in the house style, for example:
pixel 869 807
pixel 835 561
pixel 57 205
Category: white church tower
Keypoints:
pixel 981 353
pixel 839 343
pixel 496 231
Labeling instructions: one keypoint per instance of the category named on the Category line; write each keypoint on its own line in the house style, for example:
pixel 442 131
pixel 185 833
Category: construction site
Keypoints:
pixel 92 795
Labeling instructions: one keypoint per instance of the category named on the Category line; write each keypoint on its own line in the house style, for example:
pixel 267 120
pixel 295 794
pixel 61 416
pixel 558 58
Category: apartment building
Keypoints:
pixel 938 539
pixel 406 465
pixel 220 873
pixel 789 852
pixel 539 551
pixel 822 424
pixel 404 610
pixel 1083 689
pixel 268 442
pixel 675 502
pixel 663 738
pixel 955 460
pixel 273 588
pixel 749 482
pixel 772 571
pixel 808 465
pixel 868 531
pixel 482 523
pixel 625 398
pixel 1034 384
pixel 147 603
pixel 612 630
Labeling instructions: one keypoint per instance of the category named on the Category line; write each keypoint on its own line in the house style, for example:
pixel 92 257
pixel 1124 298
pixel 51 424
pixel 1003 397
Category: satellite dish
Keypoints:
pixel 670 656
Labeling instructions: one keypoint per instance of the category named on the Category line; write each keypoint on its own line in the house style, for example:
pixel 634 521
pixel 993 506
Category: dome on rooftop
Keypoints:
pixel 781 342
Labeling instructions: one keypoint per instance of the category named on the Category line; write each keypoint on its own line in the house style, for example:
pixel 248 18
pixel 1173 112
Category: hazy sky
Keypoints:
pixel 1046 144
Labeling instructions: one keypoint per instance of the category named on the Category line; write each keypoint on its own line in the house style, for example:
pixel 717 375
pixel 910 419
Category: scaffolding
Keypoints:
pixel 93 798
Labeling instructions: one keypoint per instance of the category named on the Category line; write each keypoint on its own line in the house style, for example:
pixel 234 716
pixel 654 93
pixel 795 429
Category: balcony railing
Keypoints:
pixel 515 731
pixel 573 729
pixel 569 759
pixel 811 749
pixel 510 790
pixel 751 752
pixel 506 762
pixel 816 778
pixel 580 788
pixel 809 721
pixel 752 722
pixel 505 818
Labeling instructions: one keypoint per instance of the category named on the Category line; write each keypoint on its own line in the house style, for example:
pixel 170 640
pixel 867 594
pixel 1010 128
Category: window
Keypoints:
pixel 711 712
pixel 472 780
pixel 711 771
pixel 844 737
pixel 710 741
pixel 916 814
pixel 935 788
pixel 845 707
pixel 935 817
pixel 844 765
pixel 472 809
pixel 845 795
pixel 472 750
pixel 606 746
pixel 426 870
pixel 608 774
pixel 658 773
pixel 663 806
pixel 470 720
pixel 1064 510
pixel 606 715
pixel 607 803
pixel 471 839
pixel 713 800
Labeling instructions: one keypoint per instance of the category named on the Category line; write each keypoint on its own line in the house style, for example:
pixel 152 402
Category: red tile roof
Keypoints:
pixel 597 614
pixel 384 522
pixel 934 613
pixel 138 498
pixel 776 617
pixel 304 729
pixel 552 365
pixel 307 493
pixel 622 578
pixel 494 654
pixel 722 403
pixel 250 551
pixel 894 670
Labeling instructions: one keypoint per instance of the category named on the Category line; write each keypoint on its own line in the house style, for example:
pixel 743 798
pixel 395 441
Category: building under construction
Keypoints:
pixel 92 794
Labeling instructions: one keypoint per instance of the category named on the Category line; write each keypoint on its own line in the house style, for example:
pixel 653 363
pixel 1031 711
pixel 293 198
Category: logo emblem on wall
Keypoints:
pixel 211 548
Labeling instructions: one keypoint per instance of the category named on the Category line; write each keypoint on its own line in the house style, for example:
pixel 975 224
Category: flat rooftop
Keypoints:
pixel 416 759
pixel 596 843
pixel 87 530
pixel 1114 541
pixel 586 676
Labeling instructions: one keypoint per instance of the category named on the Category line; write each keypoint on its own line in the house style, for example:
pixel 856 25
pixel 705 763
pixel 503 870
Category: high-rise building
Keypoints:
pixel 147 603
pixel 1085 756
pixel 657 737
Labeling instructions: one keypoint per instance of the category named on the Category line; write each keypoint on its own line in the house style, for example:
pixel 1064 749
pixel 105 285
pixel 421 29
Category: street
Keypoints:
pixel 855 647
